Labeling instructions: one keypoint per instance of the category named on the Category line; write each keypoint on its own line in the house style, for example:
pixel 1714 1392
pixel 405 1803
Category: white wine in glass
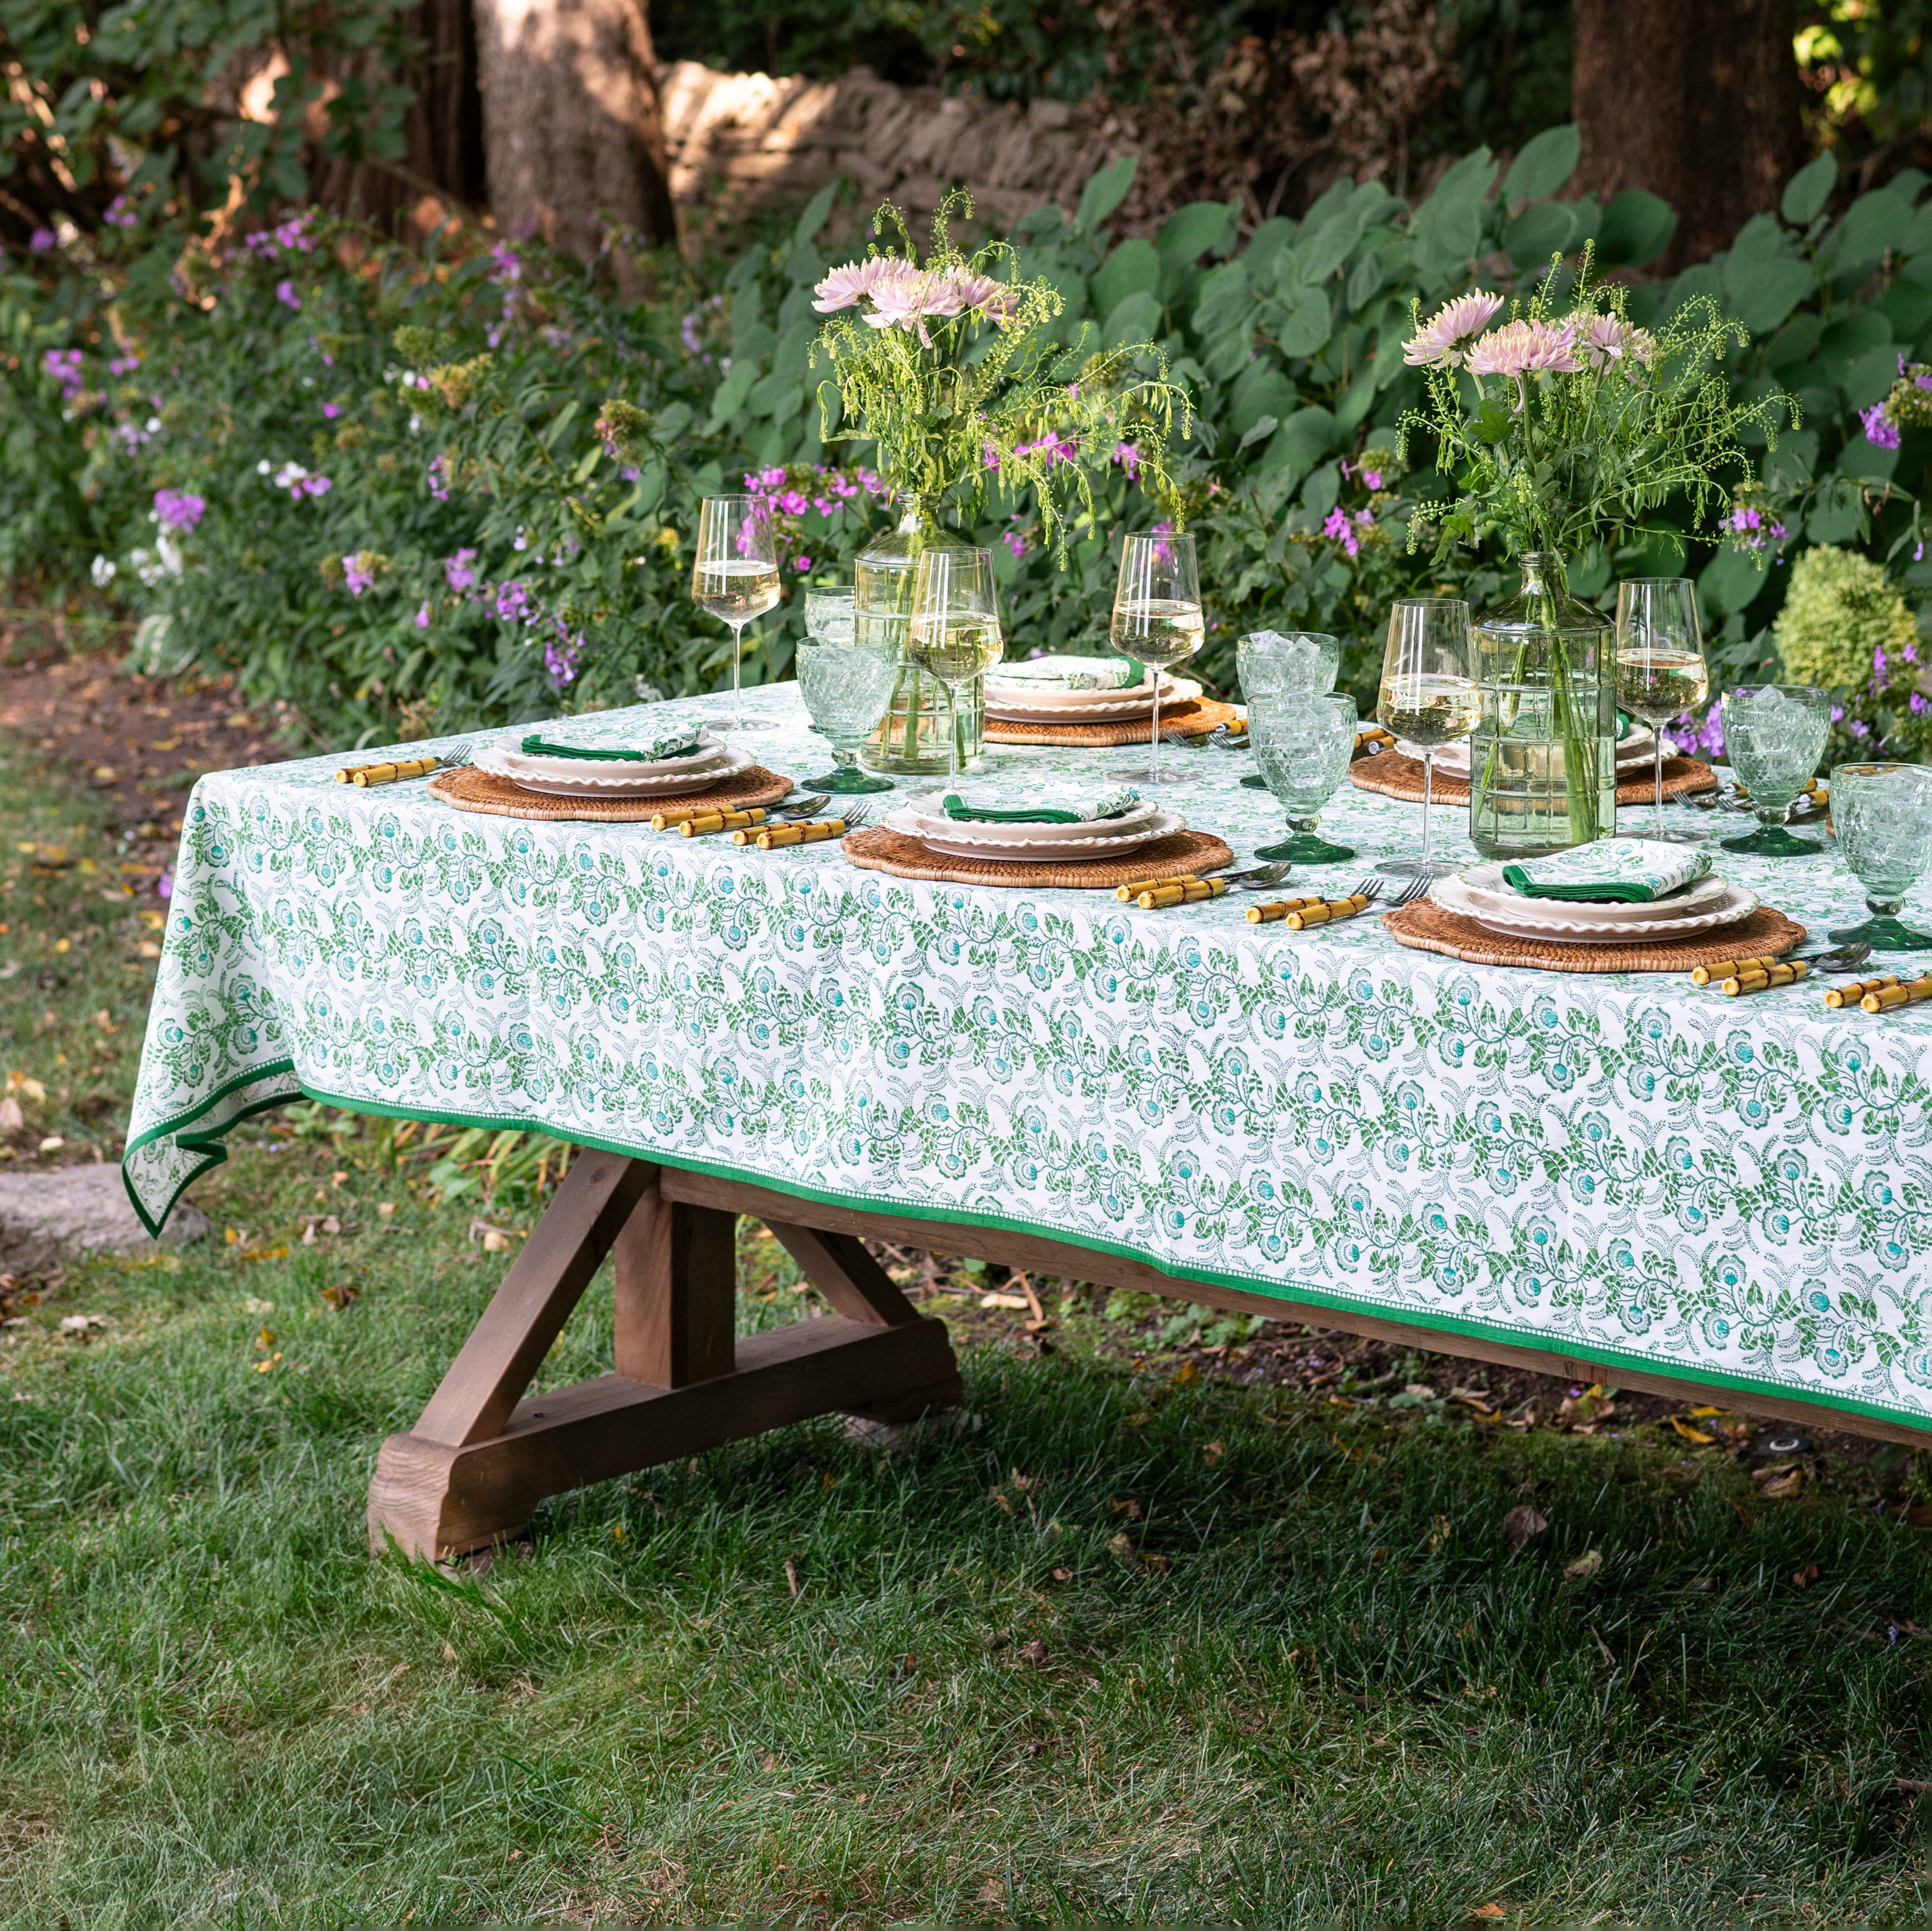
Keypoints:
pixel 1660 669
pixel 734 577
pixel 955 633
pixel 1429 696
pixel 1157 621
pixel 1430 710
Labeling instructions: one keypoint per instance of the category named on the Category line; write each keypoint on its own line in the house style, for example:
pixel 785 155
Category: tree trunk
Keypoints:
pixel 572 126
pixel 1696 102
pixel 442 127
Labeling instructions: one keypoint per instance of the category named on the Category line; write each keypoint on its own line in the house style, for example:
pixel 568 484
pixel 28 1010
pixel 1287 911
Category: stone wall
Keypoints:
pixel 741 142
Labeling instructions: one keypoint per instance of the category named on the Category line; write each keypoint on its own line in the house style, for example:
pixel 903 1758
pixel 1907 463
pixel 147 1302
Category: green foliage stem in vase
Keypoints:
pixel 961 379
pixel 1565 431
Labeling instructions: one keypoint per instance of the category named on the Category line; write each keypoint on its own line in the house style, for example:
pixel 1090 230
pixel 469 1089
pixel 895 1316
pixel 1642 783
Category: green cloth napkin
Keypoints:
pixel 681 745
pixel 1612 871
pixel 1068 673
pixel 1111 805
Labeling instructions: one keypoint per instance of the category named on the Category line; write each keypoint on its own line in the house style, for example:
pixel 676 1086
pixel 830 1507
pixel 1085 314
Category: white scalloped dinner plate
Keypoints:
pixel 1453 895
pixel 1455 757
pixel 666 778
pixel 1005 701
pixel 1487 890
pixel 1029 850
pixel 933 823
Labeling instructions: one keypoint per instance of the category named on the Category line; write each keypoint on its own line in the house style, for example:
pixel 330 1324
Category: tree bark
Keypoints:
pixel 572 126
pixel 1697 102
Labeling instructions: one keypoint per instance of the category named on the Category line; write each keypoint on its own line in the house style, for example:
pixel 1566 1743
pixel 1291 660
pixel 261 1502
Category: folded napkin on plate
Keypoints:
pixel 671 744
pixel 1109 804
pixel 1067 673
pixel 1613 872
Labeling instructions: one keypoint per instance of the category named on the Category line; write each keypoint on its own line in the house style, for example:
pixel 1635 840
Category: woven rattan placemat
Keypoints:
pixel 1192 717
pixel 1426 926
pixel 469 790
pixel 1396 775
pixel 876 848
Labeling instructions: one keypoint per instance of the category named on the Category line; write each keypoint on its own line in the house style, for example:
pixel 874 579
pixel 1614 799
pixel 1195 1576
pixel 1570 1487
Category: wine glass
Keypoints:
pixel 1660 669
pixel 1774 735
pixel 1429 696
pixel 734 577
pixel 1882 814
pixel 1157 621
pixel 956 635
pixel 1270 660
pixel 1302 742
pixel 847 683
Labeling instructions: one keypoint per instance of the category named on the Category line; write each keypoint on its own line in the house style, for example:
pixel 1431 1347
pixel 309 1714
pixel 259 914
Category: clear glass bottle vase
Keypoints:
pixel 911 738
pixel 1543 762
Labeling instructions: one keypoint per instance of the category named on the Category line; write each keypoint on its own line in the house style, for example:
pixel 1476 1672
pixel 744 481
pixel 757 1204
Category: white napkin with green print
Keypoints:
pixel 1612 871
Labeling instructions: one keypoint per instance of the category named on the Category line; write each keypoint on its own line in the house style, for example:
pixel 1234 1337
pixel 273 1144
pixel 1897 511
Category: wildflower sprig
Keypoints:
pixel 951 365
pixel 1567 430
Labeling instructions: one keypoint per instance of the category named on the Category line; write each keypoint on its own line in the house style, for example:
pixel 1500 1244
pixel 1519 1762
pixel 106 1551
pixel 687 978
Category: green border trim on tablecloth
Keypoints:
pixel 1178 1271
pixel 211 1145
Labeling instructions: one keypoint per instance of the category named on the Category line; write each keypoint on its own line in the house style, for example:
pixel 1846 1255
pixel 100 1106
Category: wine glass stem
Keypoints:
pixel 1428 797
pixel 1154 753
pixel 952 729
pixel 737 683
pixel 1658 751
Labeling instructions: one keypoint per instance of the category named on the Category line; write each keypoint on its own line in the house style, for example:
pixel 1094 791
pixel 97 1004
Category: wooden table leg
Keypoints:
pixel 479 1458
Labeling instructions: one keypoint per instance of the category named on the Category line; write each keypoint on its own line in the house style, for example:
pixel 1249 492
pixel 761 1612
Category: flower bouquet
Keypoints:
pixel 1566 427
pixel 953 367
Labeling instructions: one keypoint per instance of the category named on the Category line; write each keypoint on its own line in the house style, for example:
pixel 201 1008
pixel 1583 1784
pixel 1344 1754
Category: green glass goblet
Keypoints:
pixel 1303 741
pixel 1272 660
pixel 1774 735
pixel 1882 814
pixel 846 684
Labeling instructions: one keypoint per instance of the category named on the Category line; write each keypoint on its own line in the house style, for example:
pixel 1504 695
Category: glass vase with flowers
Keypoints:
pixel 951 365
pixel 1567 429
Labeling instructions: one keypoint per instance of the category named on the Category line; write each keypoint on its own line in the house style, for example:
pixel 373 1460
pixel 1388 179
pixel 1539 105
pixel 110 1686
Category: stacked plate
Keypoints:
pixel 1140 824
pixel 1706 905
pixel 1078 690
pixel 1636 752
pixel 708 763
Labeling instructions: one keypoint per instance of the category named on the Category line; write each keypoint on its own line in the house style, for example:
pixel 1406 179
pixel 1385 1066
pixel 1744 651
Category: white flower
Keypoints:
pixel 103 570
pixel 1445 338
pixel 262 467
pixel 843 287
pixel 288 476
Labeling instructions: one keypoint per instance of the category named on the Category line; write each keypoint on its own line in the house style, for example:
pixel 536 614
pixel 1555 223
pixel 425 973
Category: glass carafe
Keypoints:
pixel 1542 763
pixel 911 738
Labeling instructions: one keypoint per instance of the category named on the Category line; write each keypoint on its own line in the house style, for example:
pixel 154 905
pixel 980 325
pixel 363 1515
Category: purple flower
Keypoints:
pixel 1372 478
pixel 332 410
pixel 560 655
pixel 64 365
pixel 119 214
pixel 1344 528
pixel 1838 714
pixel 314 486
pixel 440 479
pixel 792 502
pixel 1128 455
pixel 458 572
pixel 1916 703
pixel 124 365
pixel 164 886
pixel 1014 542
pixel 1859 728
pixel 43 241
pixel 1922 381
pixel 422 616
pixel 1880 431
pixel 513 602
pixel 1918 553
pixel 801 564
pixel 508 270
pixel 178 510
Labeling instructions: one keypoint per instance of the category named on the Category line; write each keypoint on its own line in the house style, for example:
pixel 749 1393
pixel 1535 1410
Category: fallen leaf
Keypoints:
pixel 1037 1653
pixel 449 1652
pixel 1125 1505
pixel 53 1144
pixel 1490 1910
pixel 1439 1534
pixel 1022 1481
pixel 1003 1504
pixel 792 1582
pixel 1782 1488
pixel 1160 1564
pixel 1212 1452
pixel 1138 1419
pixel 32 1088
pixel 11 1118
pixel 1121 1545
pixel 1709 1414
pixel 1014 1301
pixel 1063 1575
pixel 386 1208
pixel 278 1253
pixel 1521 1523
pixel 1803 1578
pixel 1185 1374
pixel 1690 1434
pixel 1586 1564
pixel 79 1324
pixel 264 1367
pixel 1421 1389
pixel 339 1297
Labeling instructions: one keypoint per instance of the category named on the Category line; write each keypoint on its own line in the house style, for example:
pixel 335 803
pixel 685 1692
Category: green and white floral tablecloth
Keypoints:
pixel 1624 1166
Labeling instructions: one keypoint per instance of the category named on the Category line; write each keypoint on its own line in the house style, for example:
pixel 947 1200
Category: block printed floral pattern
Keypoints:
pixel 1624 1167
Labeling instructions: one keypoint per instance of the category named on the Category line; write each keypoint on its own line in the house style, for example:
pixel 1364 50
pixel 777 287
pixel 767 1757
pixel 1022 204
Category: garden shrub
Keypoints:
pixel 374 482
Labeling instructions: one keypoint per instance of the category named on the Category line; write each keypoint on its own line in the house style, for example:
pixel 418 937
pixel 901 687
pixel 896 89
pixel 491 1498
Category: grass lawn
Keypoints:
pixel 1125 1643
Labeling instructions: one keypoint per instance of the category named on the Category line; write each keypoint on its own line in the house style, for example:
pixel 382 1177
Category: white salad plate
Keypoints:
pixel 933 823
pixel 1028 850
pixel 1488 893
pixel 1533 920
pixel 1011 700
pixel 570 777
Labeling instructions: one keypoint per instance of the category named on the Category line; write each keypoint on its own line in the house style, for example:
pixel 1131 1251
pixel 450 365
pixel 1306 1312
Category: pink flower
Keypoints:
pixel 792 502
pixel 801 564
pixel 357 575
pixel 314 486
pixel 844 286
pixel 285 294
pixel 1600 339
pixel 332 410
pixel 1519 348
pixel 1128 455
pixel 994 300
pixel 43 241
pixel 1881 432
pixel 1445 338
pixel 1016 544
pixel 458 572
pixel 1916 703
pixel 178 510
pixel 1371 479
pixel 422 616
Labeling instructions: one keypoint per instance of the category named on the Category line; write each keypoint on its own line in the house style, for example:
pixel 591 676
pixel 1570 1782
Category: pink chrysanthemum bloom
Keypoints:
pixel 845 285
pixel 1445 337
pixel 994 300
pixel 1599 340
pixel 1519 348
pixel 1640 346
pixel 898 297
